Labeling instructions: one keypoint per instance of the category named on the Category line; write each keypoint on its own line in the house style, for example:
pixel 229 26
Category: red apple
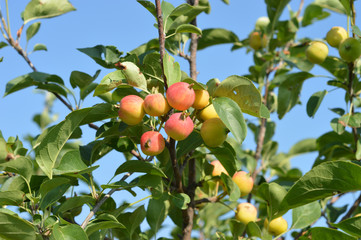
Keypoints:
pixel 131 109
pixel 152 143
pixel 156 105
pixel 179 126
pixel 180 96
pixel 244 181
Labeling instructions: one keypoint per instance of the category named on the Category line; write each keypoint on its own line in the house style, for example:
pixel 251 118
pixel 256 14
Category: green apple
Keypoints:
pixel 262 23
pixel 317 52
pixel 255 40
pixel 213 132
pixel 350 49
pixel 277 226
pixel 244 181
pixel 246 213
pixel 335 36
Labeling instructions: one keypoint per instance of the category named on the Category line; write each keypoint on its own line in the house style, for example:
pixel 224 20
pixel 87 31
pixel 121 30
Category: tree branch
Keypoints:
pixel 161 39
pixel 353 208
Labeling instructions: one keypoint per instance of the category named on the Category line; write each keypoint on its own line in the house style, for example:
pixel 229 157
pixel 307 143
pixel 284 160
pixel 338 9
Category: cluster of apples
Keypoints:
pixel 180 96
pixel 246 212
pixel 349 48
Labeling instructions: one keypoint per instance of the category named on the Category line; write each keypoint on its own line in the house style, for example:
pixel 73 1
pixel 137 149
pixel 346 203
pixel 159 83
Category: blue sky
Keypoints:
pixel 126 25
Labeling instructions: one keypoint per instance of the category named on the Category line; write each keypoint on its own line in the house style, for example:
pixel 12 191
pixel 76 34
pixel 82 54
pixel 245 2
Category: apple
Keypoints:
pixel 131 109
pixel 244 181
pixel 335 36
pixel 180 96
pixel 213 132
pixel 152 143
pixel 201 100
pixel 179 126
pixel 262 23
pixel 256 41
pixel 212 85
pixel 208 113
pixel 218 168
pixel 277 226
pixel 350 49
pixel 246 213
pixel 156 105
pixel 317 52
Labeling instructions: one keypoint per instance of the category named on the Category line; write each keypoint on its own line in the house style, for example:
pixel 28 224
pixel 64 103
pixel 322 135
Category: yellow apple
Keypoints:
pixel 201 100
pixel 218 168
pixel 244 181
pixel 213 132
pixel 335 36
pixel 208 113
pixel 277 226
pixel 317 52
pixel 246 213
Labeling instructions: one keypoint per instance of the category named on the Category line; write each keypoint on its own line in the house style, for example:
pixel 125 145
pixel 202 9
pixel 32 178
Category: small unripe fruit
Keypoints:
pixel 255 40
pixel 208 113
pixel 350 49
pixel 156 105
pixel 246 213
pixel 277 226
pixel 180 96
pixel 131 109
pixel 201 100
pixel 218 168
pixel 152 143
pixel 335 36
pixel 179 126
pixel 262 23
pixel 213 132
pixel 244 182
pixel 317 52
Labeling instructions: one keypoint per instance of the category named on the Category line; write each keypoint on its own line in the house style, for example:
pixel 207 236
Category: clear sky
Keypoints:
pixel 126 25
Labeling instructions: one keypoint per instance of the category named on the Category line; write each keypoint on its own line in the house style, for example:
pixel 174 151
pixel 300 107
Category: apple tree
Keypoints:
pixel 181 139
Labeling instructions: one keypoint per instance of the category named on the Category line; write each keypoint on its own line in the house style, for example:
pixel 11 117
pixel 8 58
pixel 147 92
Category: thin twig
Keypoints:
pixel 353 208
pixel 300 8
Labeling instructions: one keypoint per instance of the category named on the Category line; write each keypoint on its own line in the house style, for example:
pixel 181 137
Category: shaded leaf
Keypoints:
pixel 13 197
pixel 15 228
pixel 149 6
pixel 68 232
pixel 188 28
pixel 171 69
pixel 314 102
pixel 226 155
pixel 329 234
pixel 157 211
pixel 333 5
pixel 71 163
pixel 253 230
pixel 193 141
pixel 273 194
pixel 32 30
pixel 231 187
pixel 351 226
pixel 313 13
pixel 303 146
pixel 181 200
pixel 305 215
pixel 20 165
pixel 215 36
pixel 139 166
pixel 105 56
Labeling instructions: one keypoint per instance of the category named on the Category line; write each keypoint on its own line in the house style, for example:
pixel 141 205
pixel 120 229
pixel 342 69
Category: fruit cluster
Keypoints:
pixel 181 97
pixel 348 48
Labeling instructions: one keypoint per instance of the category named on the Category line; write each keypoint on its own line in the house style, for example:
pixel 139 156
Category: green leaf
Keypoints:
pixel 289 91
pixel 52 190
pixel 335 66
pixel 98 225
pixel 81 79
pixel 231 115
pixel 110 53
pixel 181 200
pixel 355 30
pixel 157 211
pixel 303 146
pixel 13 197
pixel 182 14
pixel 305 215
pixel 188 28
pixel 136 219
pixel 243 92
pixel 3 44
pixel 226 155
pixel 32 30
pixel 347 6
pixel 193 141
pixel 149 6
pixel 274 11
pixel 39 47
pixel 139 166
pixel 324 180
pixel 314 102
pixel 215 36
pixel 351 226
pixel 273 194
pixel 337 126
pixel 171 69
pixel 253 230
pixel 358 149
pixel 31 79
pixel 68 232
pixel 231 187
pixel 37 9
pixel 333 5
pixel 74 202
pixel 133 75
pixel 51 87
pixel 90 88
pixel 109 82
pixel 20 165
pixel 71 163
pixel 14 228
pixel 329 234
pixel 313 13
